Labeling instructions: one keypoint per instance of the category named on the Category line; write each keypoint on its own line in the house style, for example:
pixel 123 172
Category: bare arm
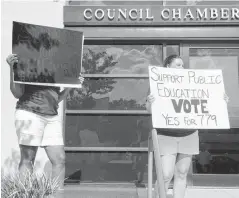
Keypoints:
pixel 63 94
pixel 149 100
pixel 66 91
pixel 148 106
pixel 16 89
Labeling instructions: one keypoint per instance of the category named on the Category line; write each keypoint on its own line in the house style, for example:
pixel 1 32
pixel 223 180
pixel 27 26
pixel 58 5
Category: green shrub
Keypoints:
pixel 28 186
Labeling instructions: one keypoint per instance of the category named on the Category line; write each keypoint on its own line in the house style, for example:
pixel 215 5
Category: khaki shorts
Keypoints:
pixel 36 130
pixel 172 145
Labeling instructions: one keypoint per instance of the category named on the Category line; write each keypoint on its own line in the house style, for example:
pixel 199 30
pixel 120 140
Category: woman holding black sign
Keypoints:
pixel 38 124
pixel 177 146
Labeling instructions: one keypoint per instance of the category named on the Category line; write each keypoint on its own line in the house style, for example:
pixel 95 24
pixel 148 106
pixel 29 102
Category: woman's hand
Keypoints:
pixel 226 98
pixel 81 78
pixel 16 89
pixel 66 91
pixel 149 101
pixel 12 59
pixel 150 98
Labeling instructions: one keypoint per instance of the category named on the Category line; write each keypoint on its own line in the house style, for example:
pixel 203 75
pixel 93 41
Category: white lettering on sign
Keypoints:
pixel 164 14
pixel 189 14
pixel 141 14
pixel 85 14
pixel 200 14
pixel 131 14
pixel 109 16
pixel 176 14
pixel 224 13
pixel 235 13
pixel 122 13
pixel 213 13
pixel 149 15
pixel 99 14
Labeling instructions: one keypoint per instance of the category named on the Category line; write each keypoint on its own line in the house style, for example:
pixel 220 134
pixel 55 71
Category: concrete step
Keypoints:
pixel 131 191
pixel 101 191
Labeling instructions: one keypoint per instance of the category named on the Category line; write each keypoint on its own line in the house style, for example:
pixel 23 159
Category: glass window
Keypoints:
pixel 105 166
pixel 116 79
pixel 228 61
pixel 110 94
pixel 219 152
pixel 107 131
pixel 219 149
pixel 120 59
pixel 172 49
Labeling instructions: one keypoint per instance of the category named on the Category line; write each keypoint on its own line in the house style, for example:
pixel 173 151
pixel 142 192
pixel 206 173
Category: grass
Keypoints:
pixel 29 186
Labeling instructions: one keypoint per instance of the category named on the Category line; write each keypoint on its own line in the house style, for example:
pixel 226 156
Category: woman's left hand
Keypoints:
pixel 81 82
pixel 226 98
pixel 81 78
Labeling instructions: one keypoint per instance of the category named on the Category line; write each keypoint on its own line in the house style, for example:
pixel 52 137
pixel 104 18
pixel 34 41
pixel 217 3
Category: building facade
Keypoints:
pixel 106 123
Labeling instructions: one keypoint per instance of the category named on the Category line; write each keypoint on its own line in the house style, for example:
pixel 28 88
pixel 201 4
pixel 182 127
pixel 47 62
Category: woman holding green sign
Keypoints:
pixel 177 146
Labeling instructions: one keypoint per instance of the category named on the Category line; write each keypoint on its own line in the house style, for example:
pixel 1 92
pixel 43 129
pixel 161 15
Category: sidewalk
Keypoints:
pixel 211 193
pixel 201 193
pixel 130 191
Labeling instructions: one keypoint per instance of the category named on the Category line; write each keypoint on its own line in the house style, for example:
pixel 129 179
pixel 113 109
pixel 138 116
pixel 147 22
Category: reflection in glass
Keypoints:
pixel 219 149
pixel 219 152
pixel 110 94
pixel 107 131
pixel 107 167
pixel 120 59
pixel 227 60
pixel 172 49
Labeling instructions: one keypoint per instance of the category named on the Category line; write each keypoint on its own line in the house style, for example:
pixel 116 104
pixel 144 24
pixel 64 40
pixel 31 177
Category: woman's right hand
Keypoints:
pixel 150 98
pixel 12 59
pixel 16 89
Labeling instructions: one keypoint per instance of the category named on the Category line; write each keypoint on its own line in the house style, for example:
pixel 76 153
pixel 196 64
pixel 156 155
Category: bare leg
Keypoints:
pixel 168 164
pixel 180 176
pixel 56 156
pixel 28 155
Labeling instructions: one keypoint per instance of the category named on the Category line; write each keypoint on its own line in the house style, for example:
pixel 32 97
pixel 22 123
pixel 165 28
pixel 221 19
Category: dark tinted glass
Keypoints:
pixel 219 152
pixel 109 94
pixel 107 131
pixel 107 167
pixel 227 60
pixel 172 49
pixel 120 59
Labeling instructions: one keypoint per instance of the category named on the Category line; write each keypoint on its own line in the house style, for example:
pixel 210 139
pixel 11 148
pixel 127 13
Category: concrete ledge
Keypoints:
pixel 130 191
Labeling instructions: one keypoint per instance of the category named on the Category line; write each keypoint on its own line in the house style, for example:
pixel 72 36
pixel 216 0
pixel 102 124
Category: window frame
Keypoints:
pixel 207 45
pixel 192 177
pixel 184 47
pixel 114 112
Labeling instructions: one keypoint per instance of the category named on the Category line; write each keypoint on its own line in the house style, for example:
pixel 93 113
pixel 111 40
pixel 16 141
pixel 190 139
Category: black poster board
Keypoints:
pixel 47 56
